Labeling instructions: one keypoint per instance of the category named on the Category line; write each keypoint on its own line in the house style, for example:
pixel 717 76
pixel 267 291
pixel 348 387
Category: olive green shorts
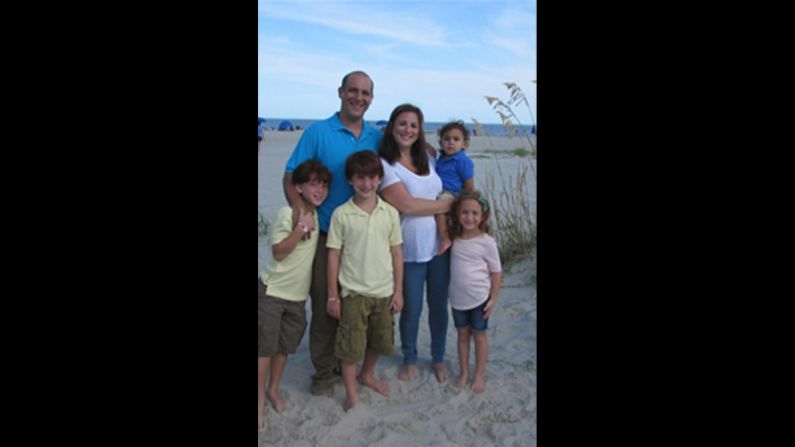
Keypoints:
pixel 366 324
pixel 281 324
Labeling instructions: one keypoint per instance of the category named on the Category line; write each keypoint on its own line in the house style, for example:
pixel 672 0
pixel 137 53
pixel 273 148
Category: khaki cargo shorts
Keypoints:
pixel 281 324
pixel 366 324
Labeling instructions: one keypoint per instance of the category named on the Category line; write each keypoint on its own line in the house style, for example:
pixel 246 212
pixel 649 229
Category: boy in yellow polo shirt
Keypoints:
pixel 366 258
pixel 284 285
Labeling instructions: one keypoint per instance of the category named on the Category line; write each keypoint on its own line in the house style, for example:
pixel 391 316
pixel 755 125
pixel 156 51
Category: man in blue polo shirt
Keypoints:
pixel 331 141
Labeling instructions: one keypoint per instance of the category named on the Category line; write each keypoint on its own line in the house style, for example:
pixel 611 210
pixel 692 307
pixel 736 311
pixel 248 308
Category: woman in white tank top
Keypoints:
pixel 411 185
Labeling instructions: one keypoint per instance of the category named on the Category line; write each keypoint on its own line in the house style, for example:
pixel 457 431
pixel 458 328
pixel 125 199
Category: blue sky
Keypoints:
pixel 441 55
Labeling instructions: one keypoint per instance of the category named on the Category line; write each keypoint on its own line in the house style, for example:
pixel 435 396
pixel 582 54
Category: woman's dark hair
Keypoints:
pixel 389 150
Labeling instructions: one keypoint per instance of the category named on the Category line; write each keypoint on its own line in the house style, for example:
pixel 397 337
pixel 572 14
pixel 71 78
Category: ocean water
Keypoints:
pixel 497 130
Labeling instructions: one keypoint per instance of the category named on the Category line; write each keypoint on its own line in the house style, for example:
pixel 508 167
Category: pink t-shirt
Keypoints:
pixel 471 263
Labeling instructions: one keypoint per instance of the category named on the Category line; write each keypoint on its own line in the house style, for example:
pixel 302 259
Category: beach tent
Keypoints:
pixel 261 120
pixel 286 125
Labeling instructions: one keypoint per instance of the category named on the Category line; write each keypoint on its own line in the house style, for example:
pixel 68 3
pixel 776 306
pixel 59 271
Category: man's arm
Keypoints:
pixel 286 246
pixel 290 193
pixel 294 199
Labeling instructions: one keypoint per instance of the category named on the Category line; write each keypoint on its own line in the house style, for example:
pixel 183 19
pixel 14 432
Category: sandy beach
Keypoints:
pixel 421 411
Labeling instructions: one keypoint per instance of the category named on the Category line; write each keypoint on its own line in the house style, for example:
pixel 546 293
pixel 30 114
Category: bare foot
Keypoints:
pixel 276 401
pixel 441 371
pixel 379 386
pixel 261 421
pixel 461 381
pixel 350 402
pixel 479 386
pixel 408 372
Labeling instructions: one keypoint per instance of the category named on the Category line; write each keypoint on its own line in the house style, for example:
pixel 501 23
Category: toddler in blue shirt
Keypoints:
pixel 455 169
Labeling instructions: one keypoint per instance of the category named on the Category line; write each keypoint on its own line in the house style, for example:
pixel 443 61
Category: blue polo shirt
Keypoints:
pixel 454 171
pixel 331 143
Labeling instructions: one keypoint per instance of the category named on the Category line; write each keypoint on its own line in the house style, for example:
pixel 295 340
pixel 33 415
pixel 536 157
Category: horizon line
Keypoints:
pixel 376 120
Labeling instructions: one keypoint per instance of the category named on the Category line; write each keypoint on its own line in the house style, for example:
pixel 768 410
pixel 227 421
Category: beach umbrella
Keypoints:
pixel 286 125
pixel 381 123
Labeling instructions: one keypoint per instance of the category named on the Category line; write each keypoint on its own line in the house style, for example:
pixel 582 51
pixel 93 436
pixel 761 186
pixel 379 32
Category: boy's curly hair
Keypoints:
pixel 454 125
pixel 309 169
pixel 456 229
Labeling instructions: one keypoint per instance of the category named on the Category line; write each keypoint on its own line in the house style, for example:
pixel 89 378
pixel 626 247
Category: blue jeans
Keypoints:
pixel 435 274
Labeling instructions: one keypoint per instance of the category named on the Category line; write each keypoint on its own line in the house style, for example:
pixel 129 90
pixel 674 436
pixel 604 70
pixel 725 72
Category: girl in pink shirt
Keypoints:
pixel 475 276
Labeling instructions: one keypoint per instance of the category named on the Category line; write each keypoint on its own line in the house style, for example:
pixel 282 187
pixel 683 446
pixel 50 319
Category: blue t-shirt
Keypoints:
pixel 454 170
pixel 331 143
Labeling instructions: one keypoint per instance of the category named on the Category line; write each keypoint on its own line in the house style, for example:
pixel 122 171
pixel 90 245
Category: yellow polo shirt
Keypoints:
pixel 291 277
pixel 365 239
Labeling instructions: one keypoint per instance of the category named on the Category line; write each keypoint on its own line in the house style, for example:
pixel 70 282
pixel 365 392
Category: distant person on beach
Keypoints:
pixel 364 252
pixel 331 141
pixel 455 169
pixel 411 185
pixel 284 285
pixel 475 278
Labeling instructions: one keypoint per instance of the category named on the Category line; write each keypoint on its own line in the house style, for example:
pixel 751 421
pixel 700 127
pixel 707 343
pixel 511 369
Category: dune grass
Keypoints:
pixel 262 225
pixel 514 217
pixel 522 152
pixel 508 116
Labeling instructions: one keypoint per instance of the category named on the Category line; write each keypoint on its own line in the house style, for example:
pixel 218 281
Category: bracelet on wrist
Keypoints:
pixel 332 299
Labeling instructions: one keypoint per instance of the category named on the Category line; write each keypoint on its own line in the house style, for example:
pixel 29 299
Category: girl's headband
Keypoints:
pixel 475 195
pixel 484 204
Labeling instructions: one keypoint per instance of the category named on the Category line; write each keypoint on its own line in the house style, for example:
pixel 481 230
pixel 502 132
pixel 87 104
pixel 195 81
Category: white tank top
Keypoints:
pixel 420 238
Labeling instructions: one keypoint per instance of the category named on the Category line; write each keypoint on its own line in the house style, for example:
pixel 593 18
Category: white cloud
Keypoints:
pixel 445 94
pixel 298 79
pixel 396 25
pixel 515 31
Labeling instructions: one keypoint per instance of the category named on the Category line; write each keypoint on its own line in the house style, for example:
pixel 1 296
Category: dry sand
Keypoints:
pixel 421 412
